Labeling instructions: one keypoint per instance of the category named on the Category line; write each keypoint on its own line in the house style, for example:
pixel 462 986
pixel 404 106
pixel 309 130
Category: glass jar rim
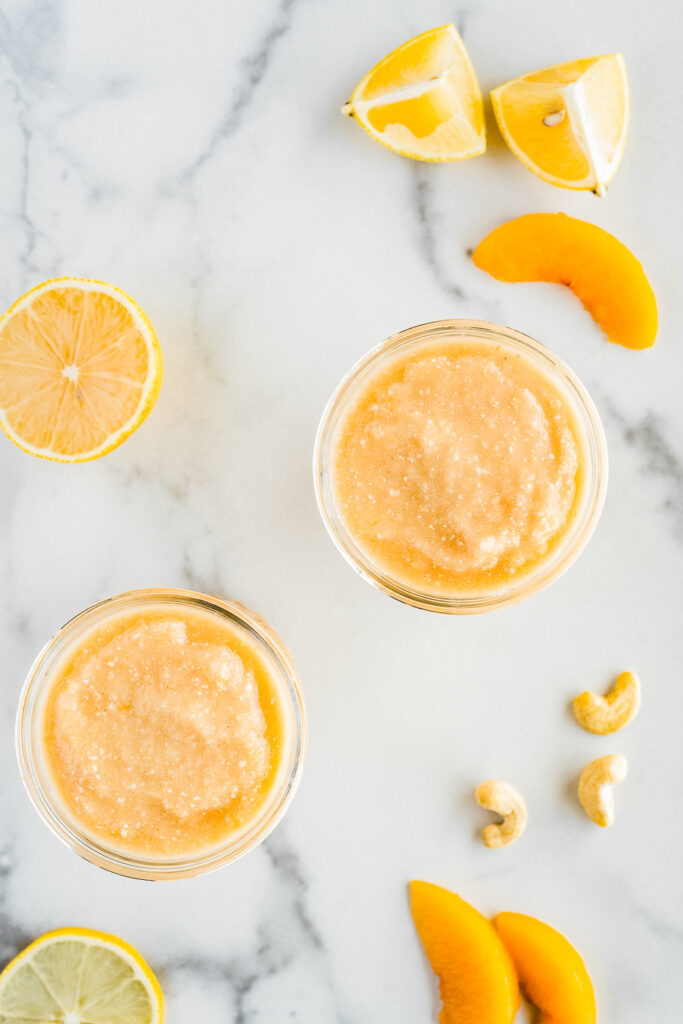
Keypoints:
pixel 110 858
pixel 585 518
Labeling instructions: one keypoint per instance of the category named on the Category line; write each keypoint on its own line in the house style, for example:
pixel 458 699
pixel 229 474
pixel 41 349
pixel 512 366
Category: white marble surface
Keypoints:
pixel 192 152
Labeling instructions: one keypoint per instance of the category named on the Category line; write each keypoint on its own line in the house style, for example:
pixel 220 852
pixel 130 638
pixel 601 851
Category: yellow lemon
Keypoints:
pixel 80 369
pixel 74 976
pixel 568 123
pixel 423 100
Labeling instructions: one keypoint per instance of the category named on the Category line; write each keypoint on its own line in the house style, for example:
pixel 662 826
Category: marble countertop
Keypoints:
pixel 192 152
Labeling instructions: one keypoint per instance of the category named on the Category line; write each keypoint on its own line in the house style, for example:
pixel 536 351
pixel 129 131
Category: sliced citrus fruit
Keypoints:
pixel 551 972
pixel 423 100
pixel 568 123
pixel 77 976
pixel 80 369
pixel 598 268
pixel 477 979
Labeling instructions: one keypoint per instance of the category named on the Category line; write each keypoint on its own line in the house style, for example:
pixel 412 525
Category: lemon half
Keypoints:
pixel 78 976
pixel 80 369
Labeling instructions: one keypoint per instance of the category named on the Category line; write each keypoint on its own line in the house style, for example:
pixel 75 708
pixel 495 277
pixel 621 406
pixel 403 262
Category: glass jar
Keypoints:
pixel 41 787
pixel 593 478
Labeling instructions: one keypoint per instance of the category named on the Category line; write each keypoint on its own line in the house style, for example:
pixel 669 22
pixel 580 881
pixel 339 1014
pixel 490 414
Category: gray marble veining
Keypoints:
pixel 192 151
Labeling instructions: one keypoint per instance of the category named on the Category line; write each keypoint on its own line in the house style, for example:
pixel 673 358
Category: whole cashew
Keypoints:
pixel 603 715
pixel 504 799
pixel 595 787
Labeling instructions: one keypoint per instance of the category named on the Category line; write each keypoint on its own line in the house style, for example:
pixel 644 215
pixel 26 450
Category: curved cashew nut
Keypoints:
pixel 595 787
pixel 606 714
pixel 504 799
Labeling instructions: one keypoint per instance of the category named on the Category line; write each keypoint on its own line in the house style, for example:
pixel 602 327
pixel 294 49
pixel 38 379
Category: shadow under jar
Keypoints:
pixel 460 466
pixel 161 733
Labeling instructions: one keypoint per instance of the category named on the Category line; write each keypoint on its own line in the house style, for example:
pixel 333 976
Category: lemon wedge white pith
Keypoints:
pixel 78 976
pixel 423 100
pixel 568 123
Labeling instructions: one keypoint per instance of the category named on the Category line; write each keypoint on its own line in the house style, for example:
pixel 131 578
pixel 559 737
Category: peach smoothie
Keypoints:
pixel 163 731
pixel 457 466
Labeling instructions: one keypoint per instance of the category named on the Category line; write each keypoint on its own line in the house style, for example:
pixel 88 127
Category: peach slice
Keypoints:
pixel 551 972
pixel 478 984
pixel 600 271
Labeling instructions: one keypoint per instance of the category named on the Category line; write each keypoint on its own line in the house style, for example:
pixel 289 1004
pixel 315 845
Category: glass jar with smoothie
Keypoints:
pixel 161 733
pixel 460 466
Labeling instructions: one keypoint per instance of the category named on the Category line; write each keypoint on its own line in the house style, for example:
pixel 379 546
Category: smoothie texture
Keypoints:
pixel 458 466
pixel 163 731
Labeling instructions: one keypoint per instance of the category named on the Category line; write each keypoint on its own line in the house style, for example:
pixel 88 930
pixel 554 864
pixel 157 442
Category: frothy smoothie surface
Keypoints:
pixel 457 467
pixel 163 731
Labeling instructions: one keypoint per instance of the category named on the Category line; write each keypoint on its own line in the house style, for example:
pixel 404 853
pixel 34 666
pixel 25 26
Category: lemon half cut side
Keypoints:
pixel 80 369
pixel 78 976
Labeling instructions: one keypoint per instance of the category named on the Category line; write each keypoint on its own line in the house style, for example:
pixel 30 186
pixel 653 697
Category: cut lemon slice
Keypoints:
pixel 423 100
pixel 568 123
pixel 80 369
pixel 77 976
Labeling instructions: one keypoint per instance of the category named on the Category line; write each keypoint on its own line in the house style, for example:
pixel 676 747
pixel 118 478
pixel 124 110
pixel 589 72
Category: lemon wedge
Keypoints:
pixel 77 976
pixel 423 100
pixel 568 123
pixel 80 369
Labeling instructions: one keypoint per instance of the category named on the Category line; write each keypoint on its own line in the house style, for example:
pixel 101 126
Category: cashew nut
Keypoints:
pixel 504 799
pixel 595 787
pixel 606 714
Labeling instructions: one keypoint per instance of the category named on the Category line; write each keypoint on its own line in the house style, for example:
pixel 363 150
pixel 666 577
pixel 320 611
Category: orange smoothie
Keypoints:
pixel 163 731
pixel 458 466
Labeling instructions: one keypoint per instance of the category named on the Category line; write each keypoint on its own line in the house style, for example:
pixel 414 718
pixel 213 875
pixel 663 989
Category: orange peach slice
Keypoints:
pixel 478 983
pixel 551 972
pixel 600 271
